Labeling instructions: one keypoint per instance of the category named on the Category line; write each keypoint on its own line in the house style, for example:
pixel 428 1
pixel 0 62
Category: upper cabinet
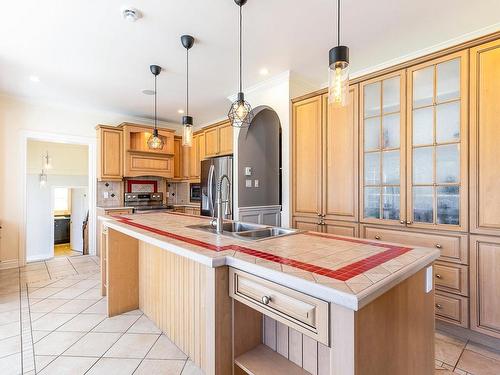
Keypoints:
pixel 109 149
pixel 437 152
pixel 325 161
pixel 382 149
pixel 219 140
pixel 484 138
pixel 194 158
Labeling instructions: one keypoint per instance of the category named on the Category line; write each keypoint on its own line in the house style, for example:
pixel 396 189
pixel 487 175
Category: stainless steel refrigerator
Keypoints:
pixel 211 171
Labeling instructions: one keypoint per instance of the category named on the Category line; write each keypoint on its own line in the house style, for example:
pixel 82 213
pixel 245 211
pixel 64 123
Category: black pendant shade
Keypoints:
pixel 155 141
pixel 187 121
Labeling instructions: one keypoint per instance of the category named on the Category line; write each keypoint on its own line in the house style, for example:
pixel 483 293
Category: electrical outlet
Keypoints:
pixel 248 183
pixel 256 183
pixel 429 277
pixel 105 194
pixel 248 171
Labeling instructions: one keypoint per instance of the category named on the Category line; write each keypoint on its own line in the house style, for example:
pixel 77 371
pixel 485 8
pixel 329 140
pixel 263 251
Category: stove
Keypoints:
pixel 146 202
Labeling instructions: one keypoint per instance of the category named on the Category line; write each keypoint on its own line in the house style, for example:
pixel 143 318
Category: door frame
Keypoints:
pixel 91 142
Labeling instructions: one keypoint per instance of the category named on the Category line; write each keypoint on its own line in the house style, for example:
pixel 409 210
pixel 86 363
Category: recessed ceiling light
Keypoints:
pixel 131 14
pixel 35 79
pixel 181 111
pixel 264 72
pixel 148 92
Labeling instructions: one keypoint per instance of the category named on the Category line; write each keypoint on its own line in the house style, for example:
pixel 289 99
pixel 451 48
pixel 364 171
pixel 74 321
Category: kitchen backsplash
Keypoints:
pixel 109 193
pixel 179 193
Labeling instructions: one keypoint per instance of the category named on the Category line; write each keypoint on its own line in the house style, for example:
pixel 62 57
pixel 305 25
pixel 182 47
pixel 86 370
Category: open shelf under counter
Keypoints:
pixel 263 360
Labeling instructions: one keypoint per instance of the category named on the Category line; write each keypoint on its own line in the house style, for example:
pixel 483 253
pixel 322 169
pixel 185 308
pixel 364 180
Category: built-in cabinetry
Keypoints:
pixel 190 210
pixel 109 153
pixel 218 139
pixel 428 148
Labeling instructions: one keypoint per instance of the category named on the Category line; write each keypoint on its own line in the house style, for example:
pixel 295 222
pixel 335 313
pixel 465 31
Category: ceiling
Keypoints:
pixel 86 54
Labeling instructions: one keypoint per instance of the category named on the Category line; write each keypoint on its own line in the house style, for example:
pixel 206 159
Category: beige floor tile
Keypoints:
pixel 47 305
pixel 41 361
pixel 134 312
pixel 9 330
pixel 11 365
pixel 10 346
pixel 100 307
pixel 63 283
pixel 51 321
pixel 484 350
pixel 82 323
pixel 160 367
pixel 69 365
pixel 478 364
pixel 144 325
pixel 132 345
pixel 93 344
pixel 10 305
pixel 120 323
pixel 38 335
pixel 9 317
pixel 90 294
pixel 191 369
pixel 68 293
pixel 56 343
pixel 44 292
pixel 86 284
pixel 114 366
pixel 75 306
pixel 448 349
pixel 165 349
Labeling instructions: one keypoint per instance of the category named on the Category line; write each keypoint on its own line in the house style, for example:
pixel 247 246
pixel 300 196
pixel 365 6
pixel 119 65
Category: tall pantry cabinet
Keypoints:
pixel 423 164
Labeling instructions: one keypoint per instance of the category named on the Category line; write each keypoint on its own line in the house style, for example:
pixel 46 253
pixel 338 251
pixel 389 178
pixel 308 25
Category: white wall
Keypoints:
pixel 67 159
pixel 39 215
pixel 18 116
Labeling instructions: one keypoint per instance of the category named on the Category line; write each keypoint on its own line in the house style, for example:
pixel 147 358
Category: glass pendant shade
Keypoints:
pixel 155 141
pixel 338 76
pixel 240 114
pixel 43 179
pixel 187 131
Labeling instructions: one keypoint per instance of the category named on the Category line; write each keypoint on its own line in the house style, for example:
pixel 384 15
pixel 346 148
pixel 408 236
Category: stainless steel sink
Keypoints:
pixel 247 231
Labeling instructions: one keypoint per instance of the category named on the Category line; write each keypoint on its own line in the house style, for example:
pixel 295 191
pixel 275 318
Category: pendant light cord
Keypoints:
pixel 155 101
pixel 241 42
pixel 338 22
pixel 187 81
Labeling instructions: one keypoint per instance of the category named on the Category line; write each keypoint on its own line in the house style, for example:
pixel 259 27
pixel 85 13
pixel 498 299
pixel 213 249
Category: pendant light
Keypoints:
pixel 42 179
pixel 47 161
pixel 338 77
pixel 155 141
pixel 187 121
pixel 240 114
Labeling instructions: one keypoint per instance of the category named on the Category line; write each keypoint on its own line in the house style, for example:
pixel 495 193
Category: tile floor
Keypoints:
pixel 53 321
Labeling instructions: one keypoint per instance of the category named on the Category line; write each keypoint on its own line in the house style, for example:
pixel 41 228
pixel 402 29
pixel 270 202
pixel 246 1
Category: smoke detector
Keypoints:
pixel 131 14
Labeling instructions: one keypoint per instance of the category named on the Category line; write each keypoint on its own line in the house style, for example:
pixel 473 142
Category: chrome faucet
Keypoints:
pixel 220 216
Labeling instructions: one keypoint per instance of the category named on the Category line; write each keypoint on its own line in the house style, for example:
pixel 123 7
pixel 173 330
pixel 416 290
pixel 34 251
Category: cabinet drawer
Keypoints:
pixel 452 309
pixel 453 247
pixel 452 278
pixel 118 212
pixel 300 311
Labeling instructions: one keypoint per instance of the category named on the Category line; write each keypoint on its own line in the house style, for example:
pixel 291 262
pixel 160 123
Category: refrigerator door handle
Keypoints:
pixel 210 190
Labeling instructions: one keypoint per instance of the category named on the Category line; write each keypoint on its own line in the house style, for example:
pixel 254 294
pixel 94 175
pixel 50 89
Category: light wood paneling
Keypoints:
pixel 341 228
pixel 225 139
pixel 122 273
pixel 194 158
pixel 148 165
pixel 201 145
pixel 307 157
pixel 306 223
pixel 452 278
pixel 190 303
pixel 212 142
pixel 178 158
pixel 262 360
pixel 109 157
pixel 340 167
pixel 453 246
pixel 452 308
pixel 485 285
pixel 484 138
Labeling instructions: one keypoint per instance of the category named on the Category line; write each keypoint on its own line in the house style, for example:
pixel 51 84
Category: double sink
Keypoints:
pixel 247 231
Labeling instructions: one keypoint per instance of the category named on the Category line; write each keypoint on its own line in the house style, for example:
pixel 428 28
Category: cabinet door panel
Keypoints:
pixel 382 152
pixel 110 154
pixel 225 139
pixel 485 279
pixel 307 156
pixel 306 223
pixel 341 228
pixel 340 171
pixel 177 158
pixel 212 142
pixel 194 158
pixel 485 136
pixel 437 143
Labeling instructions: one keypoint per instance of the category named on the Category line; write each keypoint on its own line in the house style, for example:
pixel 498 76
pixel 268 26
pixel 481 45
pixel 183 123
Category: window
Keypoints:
pixel 62 201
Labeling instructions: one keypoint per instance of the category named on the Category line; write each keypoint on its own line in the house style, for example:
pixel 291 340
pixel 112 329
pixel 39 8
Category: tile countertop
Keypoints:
pixel 347 271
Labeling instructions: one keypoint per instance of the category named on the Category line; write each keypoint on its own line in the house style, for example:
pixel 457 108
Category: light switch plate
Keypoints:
pixel 248 171
pixel 105 194
pixel 248 183
pixel 429 279
pixel 256 183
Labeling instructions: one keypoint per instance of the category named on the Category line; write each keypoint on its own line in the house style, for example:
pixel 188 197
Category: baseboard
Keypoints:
pixel 467 334
pixel 6 264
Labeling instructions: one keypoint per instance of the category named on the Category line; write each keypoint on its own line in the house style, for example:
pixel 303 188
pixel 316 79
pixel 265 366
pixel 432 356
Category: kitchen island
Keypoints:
pixel 353 306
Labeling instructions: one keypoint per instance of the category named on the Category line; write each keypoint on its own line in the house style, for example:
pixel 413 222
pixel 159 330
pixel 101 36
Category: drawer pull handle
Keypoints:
pixel 409 222
pixel 402 222
pixel 439 246
pixel 377 237
pixel 439 306
pixel 439 276
pixel 266 300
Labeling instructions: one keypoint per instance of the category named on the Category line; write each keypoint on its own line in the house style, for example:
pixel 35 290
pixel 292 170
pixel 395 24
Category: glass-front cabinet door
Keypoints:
pixel 436 144
pixel 382 150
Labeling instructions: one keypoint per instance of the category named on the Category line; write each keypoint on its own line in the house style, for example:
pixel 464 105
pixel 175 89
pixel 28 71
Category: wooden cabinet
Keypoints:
pixel 139 160
pixel 218 140
pixel 109 149
pixel 194 158
pixel 340 228
pixel 484 138
pixel 437 165
pixel 325 159
pixel 484 286
pixel 201 146
pixel 178 158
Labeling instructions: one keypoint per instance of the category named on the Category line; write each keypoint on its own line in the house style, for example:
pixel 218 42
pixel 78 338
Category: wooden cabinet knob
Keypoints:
pixel 439 246
pixel 402 222
pixel 409 222
pixel 438 276
pixel 439 306
pixel 377 237
pixel 266 300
